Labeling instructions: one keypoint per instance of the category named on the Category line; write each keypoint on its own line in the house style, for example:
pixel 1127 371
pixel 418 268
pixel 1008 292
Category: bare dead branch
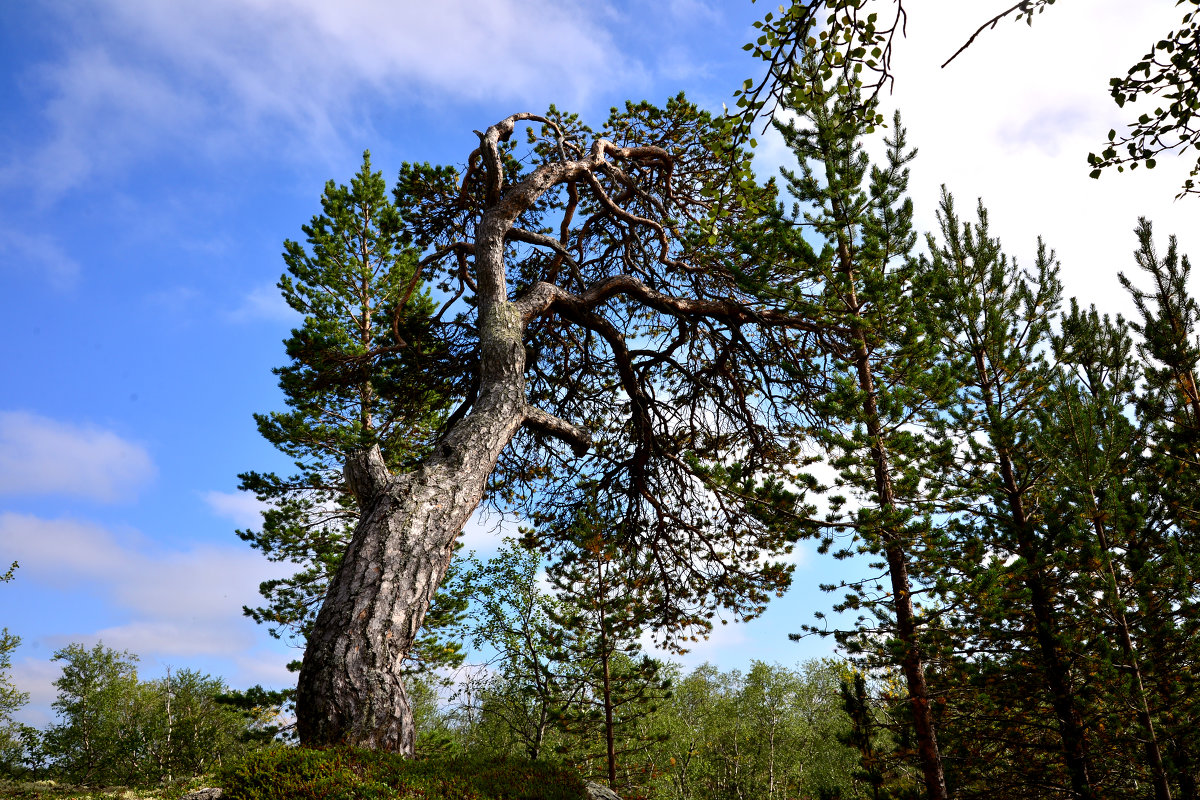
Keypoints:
pixel 991 23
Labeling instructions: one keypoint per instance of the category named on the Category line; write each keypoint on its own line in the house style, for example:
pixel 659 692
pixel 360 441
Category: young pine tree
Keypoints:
pixel 597 623
pixel 1009 567
pixel 1096 452
pixel 1165 558
pixel 886 377
pixel 364 370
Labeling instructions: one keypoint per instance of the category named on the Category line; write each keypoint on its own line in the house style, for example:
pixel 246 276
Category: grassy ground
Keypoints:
pixel 49 790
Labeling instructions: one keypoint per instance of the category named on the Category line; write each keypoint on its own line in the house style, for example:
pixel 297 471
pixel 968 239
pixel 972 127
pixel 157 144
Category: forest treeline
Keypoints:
pixel 114 729
pixel 770 732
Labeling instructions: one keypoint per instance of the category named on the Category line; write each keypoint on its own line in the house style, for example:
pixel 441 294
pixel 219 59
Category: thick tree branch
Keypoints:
pixel 543 297
pixel 538 420
pixel 489 148
pixel 366 474
pixel 541 240
pixel 632 219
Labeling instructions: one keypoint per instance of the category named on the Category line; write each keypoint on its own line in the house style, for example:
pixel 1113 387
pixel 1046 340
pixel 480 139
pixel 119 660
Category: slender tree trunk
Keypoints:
pixel 1163 662
pixel 1062 697
pixel 609 738
pixel 912 663
pixel 606 667
pixel 539 734
pixel 165 767
pixel 1162 787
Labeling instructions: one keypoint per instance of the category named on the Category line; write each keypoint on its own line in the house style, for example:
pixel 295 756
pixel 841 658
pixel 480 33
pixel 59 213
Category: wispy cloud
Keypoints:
pixel 1019 136
pixel 22 253
pixel 263 303
pixel 36 677
pixel 242 507
pixel 486 530
pixel 178 303
pixel 693 11
pixel 44 456
pixel 103 113
pixel 720 644
pixel 139 78
pixel 173 602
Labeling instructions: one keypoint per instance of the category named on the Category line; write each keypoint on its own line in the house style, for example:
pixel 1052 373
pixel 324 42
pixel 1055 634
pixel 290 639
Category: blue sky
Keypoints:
pixel 154 156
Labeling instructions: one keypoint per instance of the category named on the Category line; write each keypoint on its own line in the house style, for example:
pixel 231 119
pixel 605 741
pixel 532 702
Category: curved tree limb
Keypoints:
pixel 538 420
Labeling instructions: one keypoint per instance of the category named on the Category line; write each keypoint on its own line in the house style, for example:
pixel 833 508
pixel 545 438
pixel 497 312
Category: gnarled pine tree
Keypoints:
pixel 596 281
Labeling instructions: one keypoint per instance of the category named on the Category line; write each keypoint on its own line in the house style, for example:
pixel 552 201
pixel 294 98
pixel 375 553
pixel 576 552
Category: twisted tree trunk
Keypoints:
pixel 351 688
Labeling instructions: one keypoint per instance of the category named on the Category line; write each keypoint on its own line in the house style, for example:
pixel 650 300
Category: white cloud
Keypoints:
pixel 693 11
pixel 485 530
pixel 169 638
pixel 1012 120
pixel 180 601
pixel 242 507
pixel 197 584
pixel 143 76
pixel 179 605
pixel 103 114
pixel 264 303
pixel 60 552
pixel 36 676
pixel 44 456
pixel 22 253
pixel 721 646
pixel 1018 136
pixel 263 668
pixel 801 555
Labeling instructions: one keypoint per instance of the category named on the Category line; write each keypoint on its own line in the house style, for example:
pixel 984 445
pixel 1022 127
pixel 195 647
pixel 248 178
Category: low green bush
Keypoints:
pixel 342 773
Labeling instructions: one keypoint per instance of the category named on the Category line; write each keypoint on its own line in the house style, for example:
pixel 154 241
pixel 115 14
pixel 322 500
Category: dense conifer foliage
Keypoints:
pixel 352 381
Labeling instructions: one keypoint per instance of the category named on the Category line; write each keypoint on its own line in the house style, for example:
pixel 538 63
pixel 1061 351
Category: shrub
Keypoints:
pixel 344 773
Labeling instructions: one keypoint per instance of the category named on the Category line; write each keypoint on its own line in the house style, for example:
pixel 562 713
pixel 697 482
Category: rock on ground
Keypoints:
pixel 203 794
pixel 597 792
